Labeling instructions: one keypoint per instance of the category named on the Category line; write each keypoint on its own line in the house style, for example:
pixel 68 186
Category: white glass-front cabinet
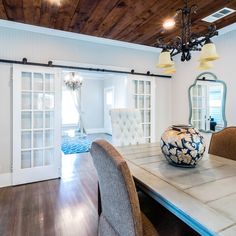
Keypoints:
pixel 36 124
pixel 142 92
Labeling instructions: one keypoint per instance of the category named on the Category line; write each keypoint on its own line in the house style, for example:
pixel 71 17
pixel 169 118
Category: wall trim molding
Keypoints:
pixel 5 180
pixel 95 131
pixel 227 29
pixel 107 132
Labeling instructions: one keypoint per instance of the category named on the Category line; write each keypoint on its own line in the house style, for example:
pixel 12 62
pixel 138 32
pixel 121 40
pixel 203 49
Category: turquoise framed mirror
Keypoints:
pixel 207 98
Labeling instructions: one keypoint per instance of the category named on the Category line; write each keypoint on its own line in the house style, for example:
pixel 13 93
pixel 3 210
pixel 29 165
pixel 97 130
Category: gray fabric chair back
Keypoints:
pixel 120 206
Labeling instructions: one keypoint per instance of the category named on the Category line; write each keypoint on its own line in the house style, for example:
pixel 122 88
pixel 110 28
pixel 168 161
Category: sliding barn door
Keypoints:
pixel 143 92
pixel 36 124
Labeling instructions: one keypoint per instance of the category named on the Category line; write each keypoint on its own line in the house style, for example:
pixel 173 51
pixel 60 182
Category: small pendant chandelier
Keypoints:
pixel 73 81
pixel 187 42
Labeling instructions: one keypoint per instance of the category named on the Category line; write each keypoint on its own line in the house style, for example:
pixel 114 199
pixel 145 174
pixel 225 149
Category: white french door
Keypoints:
pixel 36 124
pixel 142 92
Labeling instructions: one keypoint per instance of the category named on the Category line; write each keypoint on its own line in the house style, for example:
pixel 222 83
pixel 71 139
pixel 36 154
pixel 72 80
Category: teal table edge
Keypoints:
pixel 201 229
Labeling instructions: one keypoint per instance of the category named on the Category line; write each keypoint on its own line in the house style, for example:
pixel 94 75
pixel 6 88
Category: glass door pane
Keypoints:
pixel 48 138
pixel 142 116
pixel 26 101
pixel 147 130
pixel 38 139
pixel 26 81
pixel 49 119
pixel 38 82
pixel 135 101
pixel 38 99
pixel 25 159
pixel 26 119
pixel 141 102
pixel 38 120
pixel 49 82
pixel 49 101
pixel 148 102
pixel 135 82
pixel 148 116
pixel 38 157
pixel 148 87
pixel 141 87
pixel 26 139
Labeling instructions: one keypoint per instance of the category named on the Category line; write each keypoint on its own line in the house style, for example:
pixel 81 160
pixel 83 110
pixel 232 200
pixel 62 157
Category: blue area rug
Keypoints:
pixel 72 145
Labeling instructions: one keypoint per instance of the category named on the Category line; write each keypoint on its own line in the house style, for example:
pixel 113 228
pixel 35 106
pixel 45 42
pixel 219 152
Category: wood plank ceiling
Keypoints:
pixel 135 21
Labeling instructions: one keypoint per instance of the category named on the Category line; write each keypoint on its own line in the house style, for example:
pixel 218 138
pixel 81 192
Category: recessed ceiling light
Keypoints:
pixel 169 24
pixel 56 2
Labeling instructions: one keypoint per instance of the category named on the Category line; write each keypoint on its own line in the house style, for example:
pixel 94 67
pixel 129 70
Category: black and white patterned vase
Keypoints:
pixel 182 145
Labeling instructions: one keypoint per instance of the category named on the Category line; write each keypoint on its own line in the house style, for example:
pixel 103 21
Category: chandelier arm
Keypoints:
pixel 192 9
pixel 212 31
pixel 186 3
pixel 172 52
pixel 195 49
pixel 175 53
pixel 188 41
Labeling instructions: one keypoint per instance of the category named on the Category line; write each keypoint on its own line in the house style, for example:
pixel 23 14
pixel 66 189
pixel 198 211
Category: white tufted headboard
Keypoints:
pixel 126 127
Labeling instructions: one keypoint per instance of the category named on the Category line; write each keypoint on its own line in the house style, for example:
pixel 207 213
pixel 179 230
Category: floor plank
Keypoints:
pixel 68 206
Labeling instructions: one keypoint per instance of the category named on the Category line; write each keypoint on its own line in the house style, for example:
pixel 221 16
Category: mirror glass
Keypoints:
pixel 207 103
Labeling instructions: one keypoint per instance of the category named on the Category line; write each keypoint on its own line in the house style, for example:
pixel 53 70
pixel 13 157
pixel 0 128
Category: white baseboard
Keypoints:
pixel 5 180
pixel 95 131
pixel 107 132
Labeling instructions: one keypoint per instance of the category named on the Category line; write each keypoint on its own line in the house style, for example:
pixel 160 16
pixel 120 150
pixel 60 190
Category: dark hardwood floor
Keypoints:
pixel 68 206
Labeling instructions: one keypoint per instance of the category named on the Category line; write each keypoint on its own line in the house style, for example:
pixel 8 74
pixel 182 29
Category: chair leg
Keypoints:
pixel 99 202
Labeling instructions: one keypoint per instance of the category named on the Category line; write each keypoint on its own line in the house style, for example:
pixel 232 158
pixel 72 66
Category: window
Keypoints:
pixel 109 98
pixel 70 114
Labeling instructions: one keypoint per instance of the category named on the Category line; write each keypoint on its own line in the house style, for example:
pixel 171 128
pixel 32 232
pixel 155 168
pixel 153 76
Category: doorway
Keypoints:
pixel 108 104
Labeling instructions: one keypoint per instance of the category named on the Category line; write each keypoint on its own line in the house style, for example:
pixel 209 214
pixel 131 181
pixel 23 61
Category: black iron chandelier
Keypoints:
pixel 187 42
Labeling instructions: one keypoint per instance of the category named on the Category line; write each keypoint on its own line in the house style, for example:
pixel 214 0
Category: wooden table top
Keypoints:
pixel 204 197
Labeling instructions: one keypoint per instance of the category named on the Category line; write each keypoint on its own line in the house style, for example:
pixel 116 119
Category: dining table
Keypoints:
pixel 204 197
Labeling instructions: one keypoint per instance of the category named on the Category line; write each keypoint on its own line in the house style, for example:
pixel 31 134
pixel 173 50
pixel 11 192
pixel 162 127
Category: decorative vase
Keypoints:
pixel 182 145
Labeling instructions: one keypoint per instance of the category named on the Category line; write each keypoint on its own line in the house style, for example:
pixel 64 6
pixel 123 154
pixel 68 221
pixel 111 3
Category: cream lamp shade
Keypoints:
pixel 208 52
pixel 205 65
pixel 165 59
pixel 170 70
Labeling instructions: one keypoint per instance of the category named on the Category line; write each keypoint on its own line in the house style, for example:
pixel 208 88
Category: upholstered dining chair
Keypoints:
pixel 126 127
pixel 120 210
pixel 223 143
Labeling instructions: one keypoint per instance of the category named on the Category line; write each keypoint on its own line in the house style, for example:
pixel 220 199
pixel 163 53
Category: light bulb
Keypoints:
pixel 56 2
pixel 169 24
